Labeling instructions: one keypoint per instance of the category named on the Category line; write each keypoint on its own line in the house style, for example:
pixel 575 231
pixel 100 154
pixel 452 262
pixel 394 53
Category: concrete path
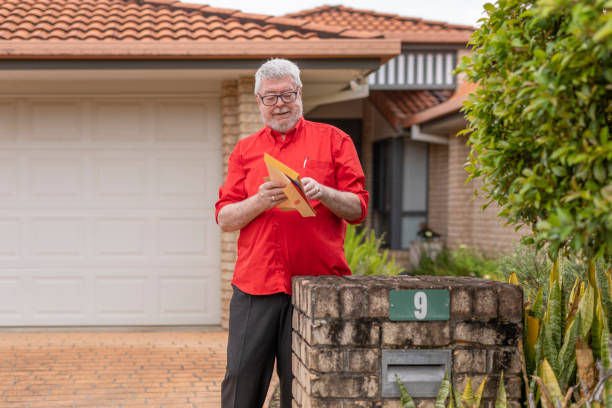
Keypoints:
pixel 169 369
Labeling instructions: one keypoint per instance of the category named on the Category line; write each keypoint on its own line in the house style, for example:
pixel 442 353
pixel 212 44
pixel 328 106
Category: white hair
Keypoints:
pixel 277 68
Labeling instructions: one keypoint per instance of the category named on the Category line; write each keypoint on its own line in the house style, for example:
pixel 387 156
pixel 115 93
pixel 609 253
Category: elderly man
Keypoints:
pixel 276 245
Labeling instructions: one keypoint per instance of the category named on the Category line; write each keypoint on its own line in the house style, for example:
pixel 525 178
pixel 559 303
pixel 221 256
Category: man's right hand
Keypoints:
pixel 270 194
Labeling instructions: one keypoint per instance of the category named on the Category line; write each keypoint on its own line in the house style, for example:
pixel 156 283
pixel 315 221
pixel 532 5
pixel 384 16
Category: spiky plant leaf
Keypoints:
pixel 591 275
pixel 586 365
pixel 554 313
pixel 451 397
pixel 479 392
pixel 574 300
pixel 596 330
pixel 501 401
pixel 457 398
pixel 605 360
pixel 405 398
pixel 550 382
pixel 543 393
pixel 586 309
pixel 513 279
pixel 532 331
pixel 549 349
pixel 443 391
pixel 567 353
pixel 467 398
pixel 537 309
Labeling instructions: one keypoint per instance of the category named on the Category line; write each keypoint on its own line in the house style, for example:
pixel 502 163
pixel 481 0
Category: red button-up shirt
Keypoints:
pixel 280 244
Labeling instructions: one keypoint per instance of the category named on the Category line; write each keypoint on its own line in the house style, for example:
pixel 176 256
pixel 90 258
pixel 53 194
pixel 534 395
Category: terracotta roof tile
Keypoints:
pixel 163 19
pixel 407 29
pixel 398 106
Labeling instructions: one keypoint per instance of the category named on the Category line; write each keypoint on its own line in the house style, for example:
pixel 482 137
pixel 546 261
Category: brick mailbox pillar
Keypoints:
pixel 343 339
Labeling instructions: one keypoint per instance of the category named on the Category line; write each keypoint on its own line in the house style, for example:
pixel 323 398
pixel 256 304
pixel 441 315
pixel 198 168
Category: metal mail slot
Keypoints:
pixel 421 371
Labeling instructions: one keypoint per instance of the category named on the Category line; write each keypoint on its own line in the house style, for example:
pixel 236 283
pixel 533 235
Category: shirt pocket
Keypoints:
pixel 321 171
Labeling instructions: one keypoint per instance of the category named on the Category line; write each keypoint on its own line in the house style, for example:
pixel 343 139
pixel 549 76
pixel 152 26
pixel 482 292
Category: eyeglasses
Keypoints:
pixel 271 100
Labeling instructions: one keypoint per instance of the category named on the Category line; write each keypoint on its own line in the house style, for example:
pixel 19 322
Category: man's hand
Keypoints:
pixel 342 203
pixel 238 215
pixel 313 189
pixel 271 193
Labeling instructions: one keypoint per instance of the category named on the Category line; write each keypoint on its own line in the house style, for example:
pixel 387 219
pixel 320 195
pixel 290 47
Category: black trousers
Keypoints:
pixel 259 332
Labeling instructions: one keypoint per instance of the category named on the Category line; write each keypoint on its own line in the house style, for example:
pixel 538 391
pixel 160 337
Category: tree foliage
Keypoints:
pixel 540 120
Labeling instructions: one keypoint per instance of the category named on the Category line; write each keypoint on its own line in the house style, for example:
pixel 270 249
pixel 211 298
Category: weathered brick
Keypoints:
pixel 485 303
pixel 508 360
pixel 470 361
pixel 510 303
pixel 415 334
pixel 324 302
pixel 325 360
pixel 391 403
pixel 344 332
pixel 487 334
pixel 460 303
pixel 378 301
pixel 352 302
pixel 362 360
pixel 339 385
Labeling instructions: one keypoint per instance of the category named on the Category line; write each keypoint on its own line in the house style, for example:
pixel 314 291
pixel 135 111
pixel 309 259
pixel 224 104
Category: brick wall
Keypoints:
pixel 467 223
pixel 240 119
pixel 437 200
pixel 341 327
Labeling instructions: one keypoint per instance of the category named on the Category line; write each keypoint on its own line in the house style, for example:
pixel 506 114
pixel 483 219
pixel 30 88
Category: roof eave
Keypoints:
pixel 383 49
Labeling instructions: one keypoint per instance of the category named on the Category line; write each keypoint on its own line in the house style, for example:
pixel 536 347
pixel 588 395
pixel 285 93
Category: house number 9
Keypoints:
pixel 420 305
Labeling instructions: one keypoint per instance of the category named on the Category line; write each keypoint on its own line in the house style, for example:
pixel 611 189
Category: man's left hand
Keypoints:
pixel 313 189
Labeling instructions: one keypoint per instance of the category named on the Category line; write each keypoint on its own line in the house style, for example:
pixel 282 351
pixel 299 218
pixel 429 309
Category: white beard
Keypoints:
pixel 286 125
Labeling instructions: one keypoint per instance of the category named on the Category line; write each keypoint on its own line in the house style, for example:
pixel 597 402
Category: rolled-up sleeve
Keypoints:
pixel 349 175
pixel 234 188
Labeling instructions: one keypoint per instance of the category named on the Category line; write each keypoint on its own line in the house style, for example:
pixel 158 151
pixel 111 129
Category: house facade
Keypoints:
pixel 117 120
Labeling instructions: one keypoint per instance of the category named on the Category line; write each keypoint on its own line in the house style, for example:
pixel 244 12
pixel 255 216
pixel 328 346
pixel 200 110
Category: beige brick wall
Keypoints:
pixel 437 196
pixel 240 119
pixel 467 223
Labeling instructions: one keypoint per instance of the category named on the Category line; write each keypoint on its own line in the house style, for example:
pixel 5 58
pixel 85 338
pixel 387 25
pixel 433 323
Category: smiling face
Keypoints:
pixel 281 116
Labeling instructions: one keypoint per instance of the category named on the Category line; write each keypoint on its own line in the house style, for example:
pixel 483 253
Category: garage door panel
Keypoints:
pixel 120 178
pixel 8 119
pixel 10 237
pixel 10 176
pixel 59 297
pixel 57 178
pixel 54 120
pixel 123 296
pixel 57 237
pixel 185 121
pixel 128 121
pixel 102 220
pixel 122 236
pixel 11 298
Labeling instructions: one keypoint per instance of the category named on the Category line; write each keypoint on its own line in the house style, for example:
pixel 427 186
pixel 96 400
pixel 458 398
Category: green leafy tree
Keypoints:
pixel 540 120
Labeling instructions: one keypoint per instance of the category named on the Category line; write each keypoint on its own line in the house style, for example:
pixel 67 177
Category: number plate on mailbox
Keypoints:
pixel 419 304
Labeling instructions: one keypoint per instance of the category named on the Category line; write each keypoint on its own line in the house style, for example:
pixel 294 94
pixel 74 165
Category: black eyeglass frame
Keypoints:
pixel 281 96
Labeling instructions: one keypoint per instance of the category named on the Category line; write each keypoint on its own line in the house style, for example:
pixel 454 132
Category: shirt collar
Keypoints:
pixel 290 134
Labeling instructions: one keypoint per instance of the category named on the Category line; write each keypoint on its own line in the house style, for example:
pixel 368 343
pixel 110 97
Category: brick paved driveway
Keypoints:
pixel 174 369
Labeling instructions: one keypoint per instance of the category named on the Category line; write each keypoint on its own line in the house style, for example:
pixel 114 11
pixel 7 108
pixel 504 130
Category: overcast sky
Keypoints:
pixel 451 11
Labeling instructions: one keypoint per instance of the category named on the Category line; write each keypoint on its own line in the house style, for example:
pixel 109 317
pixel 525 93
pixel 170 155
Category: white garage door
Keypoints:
pixel 106 211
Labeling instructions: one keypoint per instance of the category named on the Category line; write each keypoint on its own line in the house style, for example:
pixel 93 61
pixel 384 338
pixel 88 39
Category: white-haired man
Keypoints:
pixel 276 245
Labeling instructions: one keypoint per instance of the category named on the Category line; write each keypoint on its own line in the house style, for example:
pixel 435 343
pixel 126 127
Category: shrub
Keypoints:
pixel 462 261
pixel 364 256
pixel 540 119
